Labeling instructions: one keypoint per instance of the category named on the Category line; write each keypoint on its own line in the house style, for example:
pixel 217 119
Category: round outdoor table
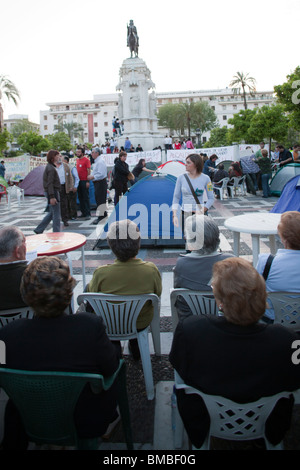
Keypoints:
pixel 255 223
pixel 57 243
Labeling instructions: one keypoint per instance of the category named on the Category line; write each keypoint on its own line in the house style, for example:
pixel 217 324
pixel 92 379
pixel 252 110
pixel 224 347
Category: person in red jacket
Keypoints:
pixel 83 166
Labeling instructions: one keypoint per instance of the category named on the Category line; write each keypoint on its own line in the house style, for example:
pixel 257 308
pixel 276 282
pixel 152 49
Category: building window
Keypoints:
pixel 96 134
pixel 45 118
pixel 106 124
pixel 45 128
pixel 224 118
pixel 95 124
pixel 234 106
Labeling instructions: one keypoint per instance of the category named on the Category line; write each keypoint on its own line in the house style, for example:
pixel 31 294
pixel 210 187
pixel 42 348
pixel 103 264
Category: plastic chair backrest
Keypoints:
pixel 119 312
pixel 286 306
pixel 9 315
pixel 236 421
pixel 46 401
pixel 199 302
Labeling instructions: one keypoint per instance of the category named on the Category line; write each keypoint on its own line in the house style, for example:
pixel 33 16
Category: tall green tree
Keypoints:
pixel 24 125
pixel 9 90
pixel 241 123
pixel 59 141
pixel 244 82
pixel 187 117
pixel 73 129
pixel 5 138
pixel 288 94
pixel 218 137
pixel 269 123
pixel 33 143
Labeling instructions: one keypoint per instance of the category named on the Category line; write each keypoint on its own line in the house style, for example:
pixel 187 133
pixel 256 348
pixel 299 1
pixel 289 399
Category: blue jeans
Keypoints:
pixel 54 215
pixel 265 184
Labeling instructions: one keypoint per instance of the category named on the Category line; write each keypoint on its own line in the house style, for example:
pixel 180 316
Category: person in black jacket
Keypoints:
pixel 55 341
pixel 234 355
pixel 121 172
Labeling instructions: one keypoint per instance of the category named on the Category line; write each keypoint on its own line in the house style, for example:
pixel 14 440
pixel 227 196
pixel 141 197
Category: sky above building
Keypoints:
pixel 71 50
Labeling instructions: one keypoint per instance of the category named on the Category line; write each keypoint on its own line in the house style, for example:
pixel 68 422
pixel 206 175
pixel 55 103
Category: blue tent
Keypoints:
pixel 290 197
pixel 148 203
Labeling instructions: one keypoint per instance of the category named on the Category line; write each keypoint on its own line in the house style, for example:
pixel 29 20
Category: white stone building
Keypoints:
pixel 96 116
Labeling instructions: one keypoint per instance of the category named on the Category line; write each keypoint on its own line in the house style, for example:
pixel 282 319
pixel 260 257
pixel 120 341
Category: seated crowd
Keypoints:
pixel 238 354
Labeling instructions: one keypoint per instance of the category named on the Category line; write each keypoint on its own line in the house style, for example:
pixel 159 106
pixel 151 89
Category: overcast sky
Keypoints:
pixel 73 49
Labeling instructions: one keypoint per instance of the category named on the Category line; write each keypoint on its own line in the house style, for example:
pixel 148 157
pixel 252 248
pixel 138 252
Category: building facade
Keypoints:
pixel 95 116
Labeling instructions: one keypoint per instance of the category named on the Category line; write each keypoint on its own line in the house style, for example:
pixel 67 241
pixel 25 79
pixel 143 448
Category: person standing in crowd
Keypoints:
pixel 51 185
pixel 72 194
pixel 12 266
pixel 99 178
pixel 296 153
pixel 258 154
pixel 251 169
pixel 189 144
pixel 199 182
pixel 127 145
pixel 66 185
pixel 265 167
pixel 139 148
pixel 2 169
pixel 83 166
pixel 121 172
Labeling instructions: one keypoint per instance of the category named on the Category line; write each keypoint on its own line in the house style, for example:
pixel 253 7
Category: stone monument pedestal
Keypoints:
pixel 137 105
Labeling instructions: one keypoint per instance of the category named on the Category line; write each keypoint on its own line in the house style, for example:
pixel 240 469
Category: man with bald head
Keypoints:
pixel 12 265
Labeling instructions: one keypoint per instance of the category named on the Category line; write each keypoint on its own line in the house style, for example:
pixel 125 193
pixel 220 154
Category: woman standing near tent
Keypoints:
pixel 190 188
pixel 51 184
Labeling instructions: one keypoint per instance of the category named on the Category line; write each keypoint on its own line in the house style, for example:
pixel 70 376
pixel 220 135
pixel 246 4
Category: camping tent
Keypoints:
pixel 149 166
pixel 172 167
pixel 149 204
pixel 290 197
pixel 282 176
pixel 33 182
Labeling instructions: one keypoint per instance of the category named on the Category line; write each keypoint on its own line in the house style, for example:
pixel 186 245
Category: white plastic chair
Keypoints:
pixel 120 313
pixel 15 191
pixel 222 188
pixel 230 420
pixel 286 306
pixel 199 302
pixel 9 315
pixel 239 184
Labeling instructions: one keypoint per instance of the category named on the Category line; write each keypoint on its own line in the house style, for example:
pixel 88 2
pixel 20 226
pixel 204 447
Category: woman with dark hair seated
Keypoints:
pixel 128 275
pixel 55 341
pixel 234 355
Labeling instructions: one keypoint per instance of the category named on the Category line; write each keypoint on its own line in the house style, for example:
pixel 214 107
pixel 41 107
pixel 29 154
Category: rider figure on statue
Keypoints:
pixel 131 29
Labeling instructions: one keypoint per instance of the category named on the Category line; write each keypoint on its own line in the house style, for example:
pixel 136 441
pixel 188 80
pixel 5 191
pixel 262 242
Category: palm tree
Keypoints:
pixel 8 89
pixel 73 129
pixel 243 81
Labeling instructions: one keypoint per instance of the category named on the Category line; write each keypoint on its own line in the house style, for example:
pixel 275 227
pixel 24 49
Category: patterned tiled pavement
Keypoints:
pixel 27 216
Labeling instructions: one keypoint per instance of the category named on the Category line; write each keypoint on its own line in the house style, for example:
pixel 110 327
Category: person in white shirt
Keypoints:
pixel 99 178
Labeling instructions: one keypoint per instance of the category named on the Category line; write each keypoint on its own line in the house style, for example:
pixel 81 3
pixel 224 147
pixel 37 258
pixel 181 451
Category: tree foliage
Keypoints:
pixel 269 123
pixel 241 80
pixel 59 141
pixel 23 125
pixel 218 137
pixel 288 94
pixel 33 143
pixel 187 117
pixel 241 123
pixel 5 138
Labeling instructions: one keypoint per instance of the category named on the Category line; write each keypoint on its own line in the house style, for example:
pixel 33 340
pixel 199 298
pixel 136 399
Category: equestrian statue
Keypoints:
pixel 132 39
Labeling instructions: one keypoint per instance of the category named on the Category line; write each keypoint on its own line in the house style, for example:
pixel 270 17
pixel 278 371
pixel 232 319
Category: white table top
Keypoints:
pixel 259 223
